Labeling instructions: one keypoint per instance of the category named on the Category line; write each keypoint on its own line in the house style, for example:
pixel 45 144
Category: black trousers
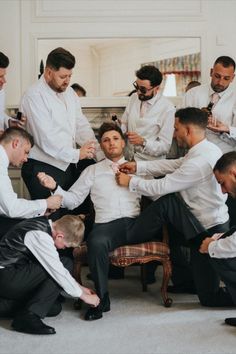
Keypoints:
pixel 104 238
pixel 226 268
pixel 171 209
pixel 65 179
pixel 28 287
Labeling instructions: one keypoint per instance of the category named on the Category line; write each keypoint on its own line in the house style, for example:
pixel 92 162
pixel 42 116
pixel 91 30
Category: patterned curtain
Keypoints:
pixel 186 68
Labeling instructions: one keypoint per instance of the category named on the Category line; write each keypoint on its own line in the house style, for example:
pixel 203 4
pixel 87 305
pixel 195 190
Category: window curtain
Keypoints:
pixel 186 68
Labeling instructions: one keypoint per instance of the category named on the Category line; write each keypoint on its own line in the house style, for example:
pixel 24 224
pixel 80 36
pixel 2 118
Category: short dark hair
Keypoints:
pixel 151 73
pixel 192 115
pixel 60 58
pixel 225 61
pixel 77 87
pixel 108 126
pixel 4 61
pixel 225 162
pixel 11 133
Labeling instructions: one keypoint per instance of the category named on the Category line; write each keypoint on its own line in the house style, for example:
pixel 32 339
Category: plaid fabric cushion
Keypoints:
pixel 141 249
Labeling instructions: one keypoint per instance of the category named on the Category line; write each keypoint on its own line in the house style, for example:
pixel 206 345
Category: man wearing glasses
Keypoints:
pixel 148 120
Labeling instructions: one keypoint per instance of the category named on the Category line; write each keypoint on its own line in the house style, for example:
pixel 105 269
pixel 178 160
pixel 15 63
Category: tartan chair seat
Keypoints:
pixel 133 254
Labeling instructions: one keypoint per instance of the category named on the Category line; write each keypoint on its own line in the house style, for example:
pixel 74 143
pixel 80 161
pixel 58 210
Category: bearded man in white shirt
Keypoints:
pixel 222 248
pixel 219 97
pixel 15 144
pixel 57 124
pixel 148 120
pixel 188 197
pixel 115 209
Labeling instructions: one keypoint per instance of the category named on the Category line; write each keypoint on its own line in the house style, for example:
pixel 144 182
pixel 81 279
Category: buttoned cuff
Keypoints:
pixel 212 249
pixel 76 155
pixel 42 207
pixel 133 184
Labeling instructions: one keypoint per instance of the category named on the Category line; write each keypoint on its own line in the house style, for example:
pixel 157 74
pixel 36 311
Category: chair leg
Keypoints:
pixel 165 280
pixel 143 270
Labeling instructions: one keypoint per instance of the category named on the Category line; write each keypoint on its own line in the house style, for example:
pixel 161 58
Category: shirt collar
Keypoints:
pixel 154 99
pixel 211 91
pixel 48 88
pixel 110 162
pixel 4 158
pixel 196 147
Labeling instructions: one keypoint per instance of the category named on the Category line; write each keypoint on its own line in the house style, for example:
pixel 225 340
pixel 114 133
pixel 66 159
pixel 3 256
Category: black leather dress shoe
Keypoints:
pixel 231 321
pixel 28 322
pixel 95 313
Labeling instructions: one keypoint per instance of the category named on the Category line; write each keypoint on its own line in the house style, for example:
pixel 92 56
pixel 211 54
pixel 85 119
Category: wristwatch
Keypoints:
pixel 144 143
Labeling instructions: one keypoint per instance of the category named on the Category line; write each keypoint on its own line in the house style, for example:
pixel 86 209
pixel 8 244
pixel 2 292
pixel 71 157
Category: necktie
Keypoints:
pixel 215 98
pixel 143 109
pixel 115 167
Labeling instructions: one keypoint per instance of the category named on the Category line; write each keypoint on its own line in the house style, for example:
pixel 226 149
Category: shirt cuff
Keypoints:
pixel 133 184
pixel 141 167
pixel 212 249
pixel 42 207
pixel 76 155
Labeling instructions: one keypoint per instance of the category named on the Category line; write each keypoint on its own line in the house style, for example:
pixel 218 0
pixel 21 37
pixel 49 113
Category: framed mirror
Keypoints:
pixel 106 67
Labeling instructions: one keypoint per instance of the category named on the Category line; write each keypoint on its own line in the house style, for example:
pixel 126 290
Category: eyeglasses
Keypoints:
pixel 142 89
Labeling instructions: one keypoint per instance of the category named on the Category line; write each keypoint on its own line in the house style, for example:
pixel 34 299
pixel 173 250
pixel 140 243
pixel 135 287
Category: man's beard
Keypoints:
pixel 142 97
pixel 56 88
pixel 219 88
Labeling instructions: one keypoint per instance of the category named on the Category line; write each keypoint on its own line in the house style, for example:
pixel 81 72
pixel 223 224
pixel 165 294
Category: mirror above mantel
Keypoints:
pixel 106 66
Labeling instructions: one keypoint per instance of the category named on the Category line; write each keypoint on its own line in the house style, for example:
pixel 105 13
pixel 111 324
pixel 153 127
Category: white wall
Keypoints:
pixel 24 23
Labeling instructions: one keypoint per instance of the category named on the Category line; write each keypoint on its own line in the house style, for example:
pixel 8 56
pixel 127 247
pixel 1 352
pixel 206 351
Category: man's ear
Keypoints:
pixel 15 143
pixel 82 216
pixel 211 71
pixel 232 172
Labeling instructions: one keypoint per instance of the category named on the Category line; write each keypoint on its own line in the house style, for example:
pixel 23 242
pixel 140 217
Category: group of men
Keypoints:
pixel 57 150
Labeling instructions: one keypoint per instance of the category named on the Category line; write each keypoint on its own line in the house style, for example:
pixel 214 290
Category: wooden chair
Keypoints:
pixel 142 254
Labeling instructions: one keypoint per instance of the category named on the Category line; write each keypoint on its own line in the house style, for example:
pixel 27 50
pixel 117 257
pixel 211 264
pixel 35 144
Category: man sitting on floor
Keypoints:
pixel 32 275
pixel 222 249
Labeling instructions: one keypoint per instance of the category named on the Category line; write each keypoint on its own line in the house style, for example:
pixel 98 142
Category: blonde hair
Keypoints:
pixel 72 227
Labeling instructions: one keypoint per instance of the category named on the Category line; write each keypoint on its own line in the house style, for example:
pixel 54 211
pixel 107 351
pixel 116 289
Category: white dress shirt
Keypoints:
pixel 10 204
pixel 192 177
pixel 224 111
pixel 42 247
pixel 56 123
pixel 3 116
pixel 156 126
pixel 225 248
pixel 110 201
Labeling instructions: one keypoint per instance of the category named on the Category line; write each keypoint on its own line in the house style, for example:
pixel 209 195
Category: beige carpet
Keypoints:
pixel 137 324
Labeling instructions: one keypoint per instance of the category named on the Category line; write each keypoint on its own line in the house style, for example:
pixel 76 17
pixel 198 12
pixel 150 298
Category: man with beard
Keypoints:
pixel 188 198
pixel 220 100
pixel 222 249
pixel 149 117
pixel 57 124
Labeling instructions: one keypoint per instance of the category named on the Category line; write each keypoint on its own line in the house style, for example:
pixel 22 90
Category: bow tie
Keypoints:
pixel 115 167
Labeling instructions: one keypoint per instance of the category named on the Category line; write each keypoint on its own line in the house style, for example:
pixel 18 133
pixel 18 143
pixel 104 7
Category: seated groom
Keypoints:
pixel 115 209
